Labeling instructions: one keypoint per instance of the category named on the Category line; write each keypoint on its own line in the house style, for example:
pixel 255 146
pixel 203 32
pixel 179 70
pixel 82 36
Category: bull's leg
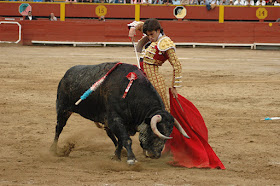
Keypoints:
pixel 127 142
pixel 118 150
pixel 117 127
pixel 111 135
pixel 62 118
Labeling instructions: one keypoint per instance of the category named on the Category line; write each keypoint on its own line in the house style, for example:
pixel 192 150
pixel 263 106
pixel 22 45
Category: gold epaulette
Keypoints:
pixel 165 43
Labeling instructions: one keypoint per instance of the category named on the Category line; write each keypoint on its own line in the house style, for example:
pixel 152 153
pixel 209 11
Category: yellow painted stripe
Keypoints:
pixel 221 13
pixel 137 12
pixel 62 11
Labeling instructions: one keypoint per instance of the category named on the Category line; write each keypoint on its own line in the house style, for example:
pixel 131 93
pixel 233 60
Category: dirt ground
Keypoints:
pixel 232 88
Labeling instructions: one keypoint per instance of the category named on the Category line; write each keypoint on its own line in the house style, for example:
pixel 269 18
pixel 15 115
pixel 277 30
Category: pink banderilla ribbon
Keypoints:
pixel 131 77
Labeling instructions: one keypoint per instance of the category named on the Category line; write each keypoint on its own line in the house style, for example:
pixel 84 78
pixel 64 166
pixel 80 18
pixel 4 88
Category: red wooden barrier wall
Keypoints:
pixel 87 10
pixel 9 32
pixel 116 31
pixel 249 13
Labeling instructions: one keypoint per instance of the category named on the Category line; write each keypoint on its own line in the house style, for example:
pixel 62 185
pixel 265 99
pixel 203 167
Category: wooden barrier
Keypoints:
pixel 215 26
pixel 8 32
pixel 128 11
pixel 116 31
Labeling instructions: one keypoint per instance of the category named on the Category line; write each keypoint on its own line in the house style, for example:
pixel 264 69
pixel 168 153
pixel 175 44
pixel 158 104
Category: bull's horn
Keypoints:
pixel 179 127
pixel 155 119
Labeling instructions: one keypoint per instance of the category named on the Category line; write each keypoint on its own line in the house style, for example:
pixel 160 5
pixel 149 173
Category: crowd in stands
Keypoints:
pixel 31 17
pixel 182 2
pixel 177 2
pixel 188 2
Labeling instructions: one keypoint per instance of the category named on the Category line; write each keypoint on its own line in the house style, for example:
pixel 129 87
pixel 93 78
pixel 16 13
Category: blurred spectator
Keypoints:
pixel 52 17
pixel 249 3
pixel 101 18
pixel 90 1
pixel 71 1
pixel 214 3
pixel 167 2
pixel 176 2
pixel 201 2
pixel 210 4
pixel 135 1
pixel 277 3
pixel 119 1
pixel 270 2
pixel 147 2
pixel 230 2
pixel 194 2
pixel 260 3
pixel 30 16
pixel 238 2
pixel 185 2
pixel 224 2
pixel 157 2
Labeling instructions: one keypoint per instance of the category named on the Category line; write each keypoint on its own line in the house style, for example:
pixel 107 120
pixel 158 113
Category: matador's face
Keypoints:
pixel 153 35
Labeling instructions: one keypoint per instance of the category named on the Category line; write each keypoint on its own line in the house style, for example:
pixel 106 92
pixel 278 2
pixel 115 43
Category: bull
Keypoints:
pixel 142 110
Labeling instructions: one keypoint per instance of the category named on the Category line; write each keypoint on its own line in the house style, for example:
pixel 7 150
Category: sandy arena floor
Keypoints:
pixel 232 88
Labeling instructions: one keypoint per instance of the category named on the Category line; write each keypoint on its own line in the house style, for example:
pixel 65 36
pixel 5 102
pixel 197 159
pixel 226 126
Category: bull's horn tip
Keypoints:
pixel 187 136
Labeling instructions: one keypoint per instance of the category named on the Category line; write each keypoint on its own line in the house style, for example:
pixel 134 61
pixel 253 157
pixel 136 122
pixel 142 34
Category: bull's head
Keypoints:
pixel 155 131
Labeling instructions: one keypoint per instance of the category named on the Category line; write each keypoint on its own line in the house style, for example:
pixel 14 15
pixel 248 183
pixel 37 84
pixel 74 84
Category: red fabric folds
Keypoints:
pixel 193 152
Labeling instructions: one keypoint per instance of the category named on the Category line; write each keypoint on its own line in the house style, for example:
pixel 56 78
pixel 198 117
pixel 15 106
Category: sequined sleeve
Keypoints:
pixel 177 68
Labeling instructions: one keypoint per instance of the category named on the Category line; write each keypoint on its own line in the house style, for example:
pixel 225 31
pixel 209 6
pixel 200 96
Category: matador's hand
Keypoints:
pixel 132 33
pixel 174 92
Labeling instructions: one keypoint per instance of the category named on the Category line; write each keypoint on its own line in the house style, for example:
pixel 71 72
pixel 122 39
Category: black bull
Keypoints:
pixel 142 110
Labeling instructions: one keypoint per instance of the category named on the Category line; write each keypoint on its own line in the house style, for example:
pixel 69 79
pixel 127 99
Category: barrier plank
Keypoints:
pixel 9 32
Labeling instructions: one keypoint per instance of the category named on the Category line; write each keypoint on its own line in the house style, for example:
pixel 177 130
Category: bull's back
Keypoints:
pixel 80 78
pixel 83 76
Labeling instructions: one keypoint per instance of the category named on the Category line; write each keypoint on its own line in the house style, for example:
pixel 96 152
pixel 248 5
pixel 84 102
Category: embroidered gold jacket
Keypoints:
pixel 160 51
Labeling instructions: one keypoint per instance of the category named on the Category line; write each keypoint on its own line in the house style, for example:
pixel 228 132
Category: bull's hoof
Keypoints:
pixel 53 149
pixel 131 162
pixel 116 158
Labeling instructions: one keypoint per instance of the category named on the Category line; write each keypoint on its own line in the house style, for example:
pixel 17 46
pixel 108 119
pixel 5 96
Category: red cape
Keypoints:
pixel 193 152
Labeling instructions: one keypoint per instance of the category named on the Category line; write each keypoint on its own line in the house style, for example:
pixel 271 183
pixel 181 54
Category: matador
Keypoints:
pixel 156 48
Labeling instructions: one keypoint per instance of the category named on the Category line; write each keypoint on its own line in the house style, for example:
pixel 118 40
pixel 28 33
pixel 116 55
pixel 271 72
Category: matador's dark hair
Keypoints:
pixel 151 25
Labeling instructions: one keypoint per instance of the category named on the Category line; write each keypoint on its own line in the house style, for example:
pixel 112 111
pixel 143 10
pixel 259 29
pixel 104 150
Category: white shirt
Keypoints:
pixel 214 2
pixel 258 3
pixel 252 3
pixel 276 3
pixel 146 1
pixel 238 2
pixel 53 19
pixel 245 3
